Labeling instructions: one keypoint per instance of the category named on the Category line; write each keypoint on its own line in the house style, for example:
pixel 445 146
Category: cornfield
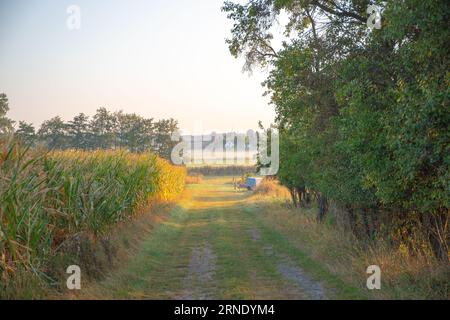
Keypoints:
pixel 48 197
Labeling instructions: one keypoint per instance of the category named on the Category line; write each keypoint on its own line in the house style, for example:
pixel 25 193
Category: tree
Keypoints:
pixel 6 124
pixel 162 142
pixel 363 114
pixel 396 113
pixel 78 130
pixel 26 133
pixel 53 132
pixel 103 128
pixel 134 132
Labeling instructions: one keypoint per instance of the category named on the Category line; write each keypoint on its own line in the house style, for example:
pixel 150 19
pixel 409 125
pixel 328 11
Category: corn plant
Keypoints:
pixel 48 197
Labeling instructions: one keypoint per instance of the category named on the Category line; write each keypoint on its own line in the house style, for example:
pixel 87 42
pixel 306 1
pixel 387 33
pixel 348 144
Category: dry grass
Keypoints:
pixel 403 276
pixel 271 187
pixel 194 179
pixel 114 251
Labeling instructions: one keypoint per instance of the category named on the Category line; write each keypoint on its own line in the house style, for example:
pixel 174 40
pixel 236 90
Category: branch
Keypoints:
pixel 340 13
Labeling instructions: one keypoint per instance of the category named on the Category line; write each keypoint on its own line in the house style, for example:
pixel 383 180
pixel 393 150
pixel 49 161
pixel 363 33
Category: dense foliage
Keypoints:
pixel 363 114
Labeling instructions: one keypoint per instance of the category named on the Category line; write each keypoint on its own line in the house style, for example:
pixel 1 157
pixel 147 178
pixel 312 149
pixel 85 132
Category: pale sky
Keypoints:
pixel 157 58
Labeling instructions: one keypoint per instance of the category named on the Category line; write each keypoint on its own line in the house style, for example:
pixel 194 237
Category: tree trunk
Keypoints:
pixel 439 234
pixel 294 197
pixel 365 218
pixel 301 196
pixel 308 198
pixel 351 218
pixel 323 207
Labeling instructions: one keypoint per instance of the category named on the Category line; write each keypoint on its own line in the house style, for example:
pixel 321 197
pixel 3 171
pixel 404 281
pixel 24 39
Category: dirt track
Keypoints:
pixel 212 247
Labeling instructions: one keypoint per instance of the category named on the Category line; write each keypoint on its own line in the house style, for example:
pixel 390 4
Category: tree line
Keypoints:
pixel 105 130
pixel 363 114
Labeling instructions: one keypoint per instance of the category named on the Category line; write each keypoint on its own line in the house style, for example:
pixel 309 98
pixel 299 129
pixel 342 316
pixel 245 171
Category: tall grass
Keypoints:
pixel 46 198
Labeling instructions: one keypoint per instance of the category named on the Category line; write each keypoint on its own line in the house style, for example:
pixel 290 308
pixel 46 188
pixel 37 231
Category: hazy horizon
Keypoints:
pixel 156 59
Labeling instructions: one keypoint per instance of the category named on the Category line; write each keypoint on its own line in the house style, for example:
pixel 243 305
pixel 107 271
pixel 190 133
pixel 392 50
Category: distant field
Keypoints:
pixel 221 170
